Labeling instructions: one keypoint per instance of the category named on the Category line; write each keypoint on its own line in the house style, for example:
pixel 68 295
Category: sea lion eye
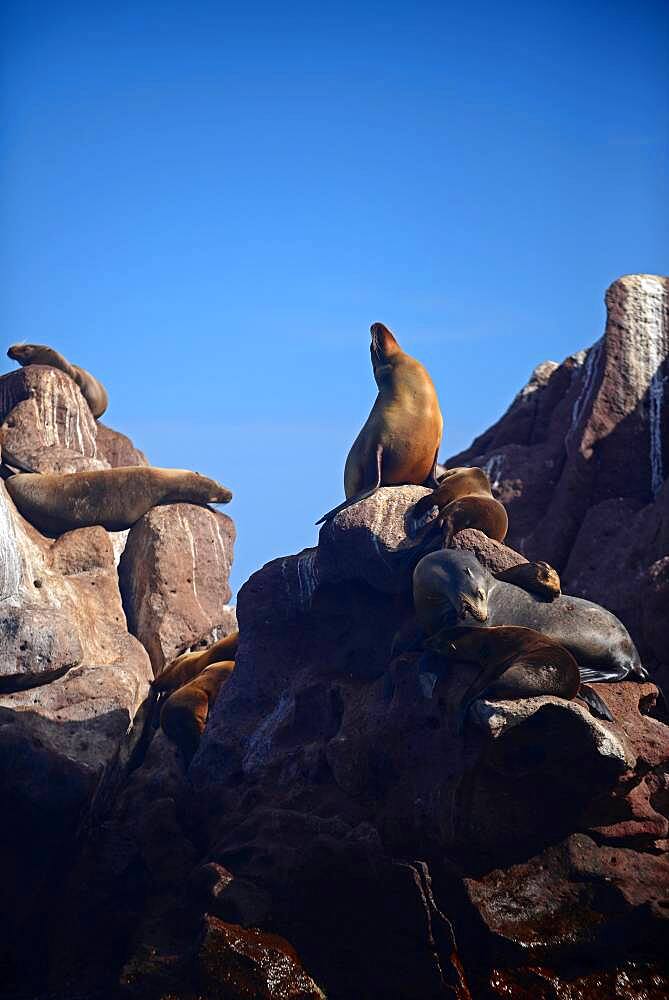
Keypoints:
pixel 480 595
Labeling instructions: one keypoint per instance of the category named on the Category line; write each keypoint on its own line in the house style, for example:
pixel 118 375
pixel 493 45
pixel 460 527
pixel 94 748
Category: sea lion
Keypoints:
pixel 483 513
pixel 185 667
pixel 92 390
pixel 115 498
pixel 400 439
pixel 464 500
pixel 184 714
pixel 536 577
pixel 514 662
pixel 451 587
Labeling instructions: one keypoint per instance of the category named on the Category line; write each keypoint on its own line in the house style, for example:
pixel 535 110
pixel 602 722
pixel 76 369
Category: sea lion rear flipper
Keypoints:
pixel 594 702
pixel 358 496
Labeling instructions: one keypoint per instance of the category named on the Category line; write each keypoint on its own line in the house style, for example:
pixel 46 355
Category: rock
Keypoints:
pixel 366 542
pixel 117 449
pixel 579 460
pixel 46 424
pixel 174 577
pixel 323 754
pixel 236 964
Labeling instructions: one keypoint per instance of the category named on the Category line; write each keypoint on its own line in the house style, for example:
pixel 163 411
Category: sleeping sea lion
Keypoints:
pixel 185 667
pixel 451 587
pixel 464 500
pixel 184 714
pixel 514 662
pixel 537 577
pixel 400 439
pixel 92 390
pixel 115 498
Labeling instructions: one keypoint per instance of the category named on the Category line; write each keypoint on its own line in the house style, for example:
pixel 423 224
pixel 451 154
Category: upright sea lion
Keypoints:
pixel 185 667
pixel 115 498
pixel 92 390
pixel 184 714
pixel 514 662
pixel 451 587
pixel 400 439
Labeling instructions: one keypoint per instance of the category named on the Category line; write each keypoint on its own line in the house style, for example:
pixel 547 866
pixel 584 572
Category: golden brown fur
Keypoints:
pixel 400 439
pixel 184 714
pixel 536 577
pixel 115 498
pixel 185 667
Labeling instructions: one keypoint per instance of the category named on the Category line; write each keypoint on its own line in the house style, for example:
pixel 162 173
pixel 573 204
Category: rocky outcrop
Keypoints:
pixel 336 810
pixel 580 461
pixel 352 765
pixel 74 681
pixel 174 577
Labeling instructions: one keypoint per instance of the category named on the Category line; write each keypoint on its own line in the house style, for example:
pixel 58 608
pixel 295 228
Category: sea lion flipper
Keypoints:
pixel 596 705
pixel 358 496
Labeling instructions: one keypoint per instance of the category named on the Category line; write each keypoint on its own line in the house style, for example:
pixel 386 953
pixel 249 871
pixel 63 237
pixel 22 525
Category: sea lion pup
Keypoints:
pixel 514 662
pixel 464 500
pixel 537 577
pixel 451 587
pixel 92 390
pixel 185 667
pixel 400 439
pixel 184 714
pixel 115 498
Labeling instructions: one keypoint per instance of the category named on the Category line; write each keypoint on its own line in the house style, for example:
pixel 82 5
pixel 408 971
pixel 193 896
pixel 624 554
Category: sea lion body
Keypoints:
pixel 92 389
pixel 399 441
pixel 464 500
pixel 453 588
pixel 184 714
pixel 185 667
pixel 513 662
pixel 115 498
pixel 483 513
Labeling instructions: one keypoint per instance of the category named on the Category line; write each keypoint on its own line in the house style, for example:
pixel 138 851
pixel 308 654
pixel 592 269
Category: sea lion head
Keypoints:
pixel 192 487
pixel 450 588
pixel 384 347
pixel 21 352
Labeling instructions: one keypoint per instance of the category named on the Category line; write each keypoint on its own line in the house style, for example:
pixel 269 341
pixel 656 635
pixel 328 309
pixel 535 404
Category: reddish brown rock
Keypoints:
pixel 46 424
pixel 117 449
pixel 174 577
pixel 237 964
pixel 580 457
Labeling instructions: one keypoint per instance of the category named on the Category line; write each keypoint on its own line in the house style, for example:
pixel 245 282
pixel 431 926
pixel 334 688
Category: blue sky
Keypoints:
pixel 207 204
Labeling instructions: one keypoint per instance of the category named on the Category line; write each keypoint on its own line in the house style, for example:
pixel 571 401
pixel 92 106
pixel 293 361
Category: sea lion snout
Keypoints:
pixel 477 608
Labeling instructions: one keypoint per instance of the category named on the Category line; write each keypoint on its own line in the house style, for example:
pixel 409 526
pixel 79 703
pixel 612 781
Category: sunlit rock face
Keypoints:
pixel 74 681
pixel 580 461
pixel 174 577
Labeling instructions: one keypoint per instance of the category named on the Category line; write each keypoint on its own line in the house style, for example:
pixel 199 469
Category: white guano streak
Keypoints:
pixel 657 337
pixel 10 557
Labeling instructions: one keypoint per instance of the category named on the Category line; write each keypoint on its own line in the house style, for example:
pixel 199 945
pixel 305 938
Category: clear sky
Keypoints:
pixel 207 204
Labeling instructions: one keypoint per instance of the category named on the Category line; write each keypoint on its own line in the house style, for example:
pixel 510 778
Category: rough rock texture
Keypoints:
pixel 335 810
pixel 331 772
pixel 174 577
pixel 45 422
pixel 75 712
pixel 580 457
pixel 117 449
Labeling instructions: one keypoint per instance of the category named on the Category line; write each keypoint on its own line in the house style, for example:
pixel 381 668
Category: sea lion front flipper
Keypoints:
pixel 358 496
pixel 596 705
